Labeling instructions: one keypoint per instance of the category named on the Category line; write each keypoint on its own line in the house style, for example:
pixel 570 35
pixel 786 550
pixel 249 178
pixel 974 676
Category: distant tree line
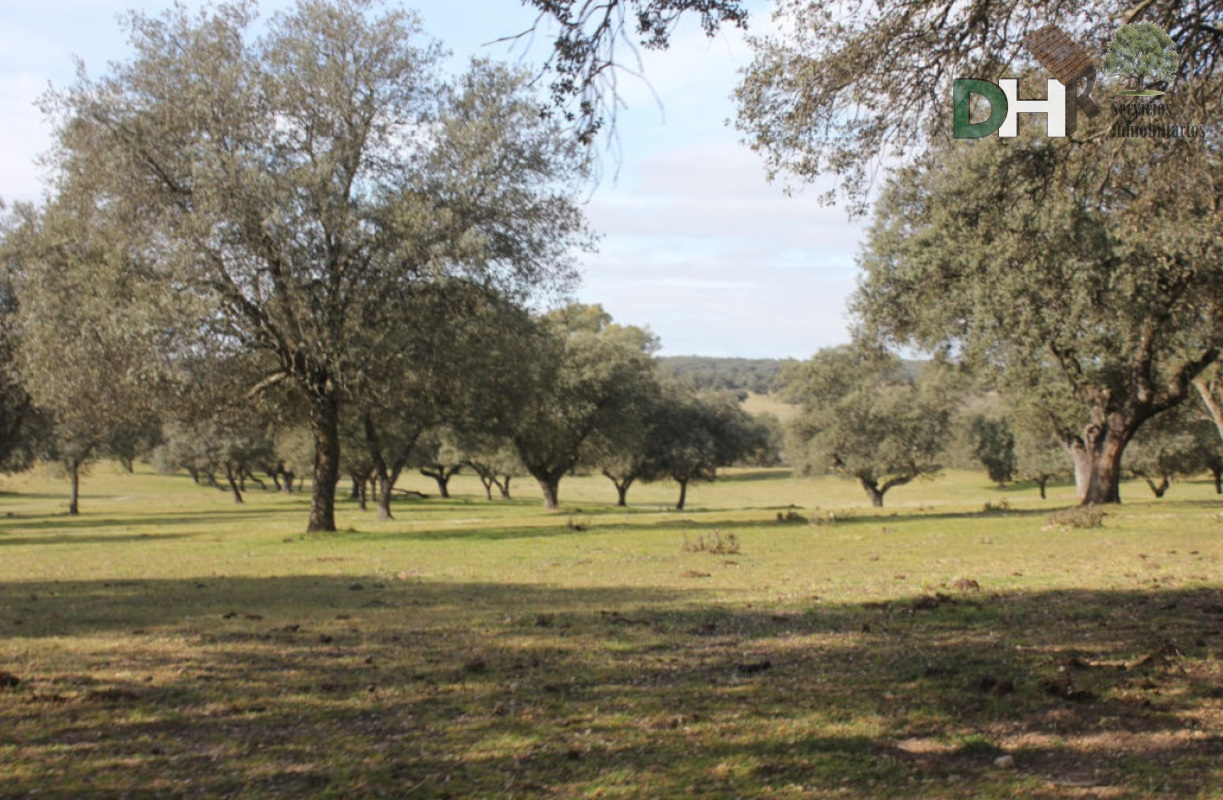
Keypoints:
pixel 706 373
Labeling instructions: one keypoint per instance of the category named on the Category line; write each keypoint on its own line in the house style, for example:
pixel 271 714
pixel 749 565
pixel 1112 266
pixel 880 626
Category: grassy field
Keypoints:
pixel 167 643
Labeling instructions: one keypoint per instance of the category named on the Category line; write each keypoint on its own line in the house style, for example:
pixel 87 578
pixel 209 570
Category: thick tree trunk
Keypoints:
pixel 683 495
pixel 873 492
pixel 325 425
pixel 551 486
pixel 354 493
pixel 1218 476
pixel 232 480
pixel 1097 464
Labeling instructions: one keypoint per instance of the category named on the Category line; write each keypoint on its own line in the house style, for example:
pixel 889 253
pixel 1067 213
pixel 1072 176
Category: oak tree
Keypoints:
pixel 301 176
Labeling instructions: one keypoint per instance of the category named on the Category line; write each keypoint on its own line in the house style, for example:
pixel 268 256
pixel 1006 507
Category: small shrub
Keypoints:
pixel 1078 517
pixel 821 517
pixel 717 543
pixel 1001 507
pixel 790 515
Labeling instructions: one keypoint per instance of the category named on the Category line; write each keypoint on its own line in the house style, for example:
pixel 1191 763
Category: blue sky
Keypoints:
pixel 695 243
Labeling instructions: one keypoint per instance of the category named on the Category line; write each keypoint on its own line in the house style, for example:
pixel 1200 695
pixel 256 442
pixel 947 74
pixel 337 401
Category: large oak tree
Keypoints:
pixel 302 180
pixel 1090 287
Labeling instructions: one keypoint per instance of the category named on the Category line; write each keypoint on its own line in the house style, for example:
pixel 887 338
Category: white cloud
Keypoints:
pixel 717 261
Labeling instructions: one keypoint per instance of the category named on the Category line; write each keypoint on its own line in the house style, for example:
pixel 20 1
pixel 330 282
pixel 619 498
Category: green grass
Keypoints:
pixel 171 644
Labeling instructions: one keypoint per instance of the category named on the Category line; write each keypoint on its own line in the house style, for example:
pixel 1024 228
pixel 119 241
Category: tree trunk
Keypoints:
pixel 622 488
pixel 487 482
pixel 1041 482
pixel 1158 489
pixel 386 487
pixel 1218 476
pixel 325 425
pixel 288 479
pixel 1097 464
pixel 232 480
pixel 74 478
pixel 442 477
pixel 873 492
pixel 504 487
pixel 683 495
pixel 354 493
pixel 551 489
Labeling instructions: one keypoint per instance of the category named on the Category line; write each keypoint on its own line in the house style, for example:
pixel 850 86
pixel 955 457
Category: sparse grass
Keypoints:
pixel 171 644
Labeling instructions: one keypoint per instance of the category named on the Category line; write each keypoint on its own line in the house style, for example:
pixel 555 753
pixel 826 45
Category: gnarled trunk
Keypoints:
pixel 622 487
pixel 1097 462
pixel 1160 488
pixel 873 491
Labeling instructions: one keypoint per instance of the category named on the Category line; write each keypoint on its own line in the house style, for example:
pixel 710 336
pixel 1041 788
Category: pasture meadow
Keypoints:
pixel 954 644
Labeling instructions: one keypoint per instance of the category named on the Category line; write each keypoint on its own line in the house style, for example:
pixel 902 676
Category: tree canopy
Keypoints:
pixel 849 91
pixel 303 177
pixel 588 47
pixel 1091 286
pixel 863 417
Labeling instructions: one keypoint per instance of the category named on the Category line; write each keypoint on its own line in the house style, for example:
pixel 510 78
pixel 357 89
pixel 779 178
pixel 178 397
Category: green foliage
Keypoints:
pixel 1142 51
pixel 845 93
pixel 283 172
pixel 756 375
pixel 1077 284
pixel 864 418
pixel 994 447
pixel 590 376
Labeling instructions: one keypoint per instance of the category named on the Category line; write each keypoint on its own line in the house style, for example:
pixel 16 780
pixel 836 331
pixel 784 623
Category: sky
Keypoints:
pixel 694 243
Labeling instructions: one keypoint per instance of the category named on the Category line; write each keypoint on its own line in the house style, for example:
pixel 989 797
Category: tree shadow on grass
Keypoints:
pixel 305 684
pixel 55 524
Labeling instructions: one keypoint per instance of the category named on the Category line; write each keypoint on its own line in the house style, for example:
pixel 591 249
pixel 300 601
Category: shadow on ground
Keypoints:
pixel 349 687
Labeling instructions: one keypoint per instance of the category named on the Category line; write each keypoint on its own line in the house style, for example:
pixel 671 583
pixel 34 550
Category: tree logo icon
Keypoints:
pixel 1141 52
